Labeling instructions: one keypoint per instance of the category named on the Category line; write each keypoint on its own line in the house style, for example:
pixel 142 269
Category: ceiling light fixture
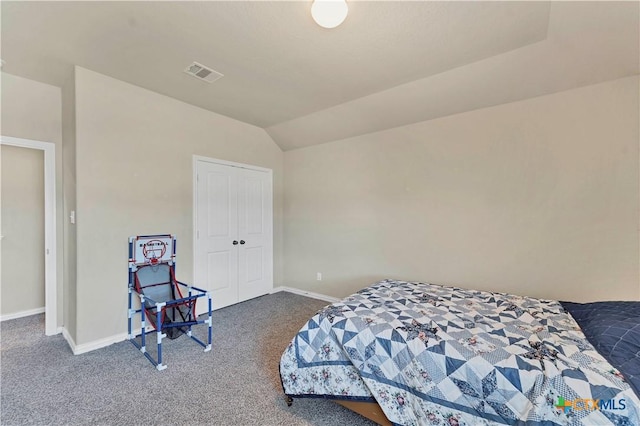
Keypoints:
pixel 329 13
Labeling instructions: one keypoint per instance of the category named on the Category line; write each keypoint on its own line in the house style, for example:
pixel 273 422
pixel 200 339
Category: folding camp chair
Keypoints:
pixel 152 277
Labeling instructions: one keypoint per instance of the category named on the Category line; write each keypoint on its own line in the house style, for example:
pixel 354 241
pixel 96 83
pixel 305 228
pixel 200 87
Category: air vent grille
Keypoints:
pixel 202 72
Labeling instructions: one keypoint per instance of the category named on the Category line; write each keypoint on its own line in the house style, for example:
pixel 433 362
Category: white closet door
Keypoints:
pixel 216 256
pixel 255 264
pixel 234 237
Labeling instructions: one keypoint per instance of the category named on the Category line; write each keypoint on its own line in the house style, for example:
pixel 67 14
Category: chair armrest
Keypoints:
pixel 146 298
pixel 204 292
pixel 181 301
pixel 192 287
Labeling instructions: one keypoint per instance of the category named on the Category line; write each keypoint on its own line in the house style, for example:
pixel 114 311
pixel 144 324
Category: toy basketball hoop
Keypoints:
pixel 162 307
pixel 152 250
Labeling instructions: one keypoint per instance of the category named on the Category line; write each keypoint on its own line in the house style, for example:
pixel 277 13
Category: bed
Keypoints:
pixel 411 353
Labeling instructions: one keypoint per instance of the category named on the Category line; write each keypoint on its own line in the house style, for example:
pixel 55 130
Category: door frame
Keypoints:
pixel 50 230
pixel 199 158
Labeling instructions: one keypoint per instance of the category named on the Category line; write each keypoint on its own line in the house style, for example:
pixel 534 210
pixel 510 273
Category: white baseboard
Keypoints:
pixel 305 293
pixel 100 343
pixel 22 314
pixel 107 341
pixel 96 344
pixel 69 340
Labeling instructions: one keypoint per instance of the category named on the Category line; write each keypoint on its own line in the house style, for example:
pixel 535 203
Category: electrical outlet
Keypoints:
pixel 319 276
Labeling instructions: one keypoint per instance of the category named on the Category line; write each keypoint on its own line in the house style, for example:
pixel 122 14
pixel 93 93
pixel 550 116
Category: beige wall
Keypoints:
pixel 134 153
pixel 69 180
pixel 538 197
pixel 32 110
pixel 22 282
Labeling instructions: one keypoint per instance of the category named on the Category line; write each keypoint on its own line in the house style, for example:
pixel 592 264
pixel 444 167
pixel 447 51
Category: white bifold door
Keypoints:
pixel 233 226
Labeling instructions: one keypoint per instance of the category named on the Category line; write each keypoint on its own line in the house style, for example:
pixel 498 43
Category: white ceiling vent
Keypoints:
pixel 203 73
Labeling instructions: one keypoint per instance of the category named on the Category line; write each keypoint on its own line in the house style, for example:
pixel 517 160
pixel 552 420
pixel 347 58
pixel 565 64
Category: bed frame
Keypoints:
pixel 370 410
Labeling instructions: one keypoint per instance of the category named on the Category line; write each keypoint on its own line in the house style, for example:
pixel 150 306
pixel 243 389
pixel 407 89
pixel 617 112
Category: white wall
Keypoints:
pixel 32 110
pixel 134 151
pixel 538 197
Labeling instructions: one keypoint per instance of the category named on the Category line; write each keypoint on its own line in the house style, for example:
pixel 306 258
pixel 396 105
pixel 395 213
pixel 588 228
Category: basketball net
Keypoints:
pixel 153 252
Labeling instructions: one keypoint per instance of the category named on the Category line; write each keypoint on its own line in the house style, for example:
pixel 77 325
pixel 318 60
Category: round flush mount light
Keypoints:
pixel 329 13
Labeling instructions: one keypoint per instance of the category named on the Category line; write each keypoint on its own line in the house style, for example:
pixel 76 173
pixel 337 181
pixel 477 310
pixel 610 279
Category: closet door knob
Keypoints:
pixel 235 243
pixel 241 241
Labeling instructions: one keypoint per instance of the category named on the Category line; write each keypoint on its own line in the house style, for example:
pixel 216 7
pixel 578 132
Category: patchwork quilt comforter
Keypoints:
pixel 433 355
pixel 613 328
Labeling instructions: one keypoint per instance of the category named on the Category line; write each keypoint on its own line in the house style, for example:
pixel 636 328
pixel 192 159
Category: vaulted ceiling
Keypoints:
pixel 389 64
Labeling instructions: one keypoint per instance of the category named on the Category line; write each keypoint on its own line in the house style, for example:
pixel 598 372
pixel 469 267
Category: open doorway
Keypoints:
pixel 23 298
